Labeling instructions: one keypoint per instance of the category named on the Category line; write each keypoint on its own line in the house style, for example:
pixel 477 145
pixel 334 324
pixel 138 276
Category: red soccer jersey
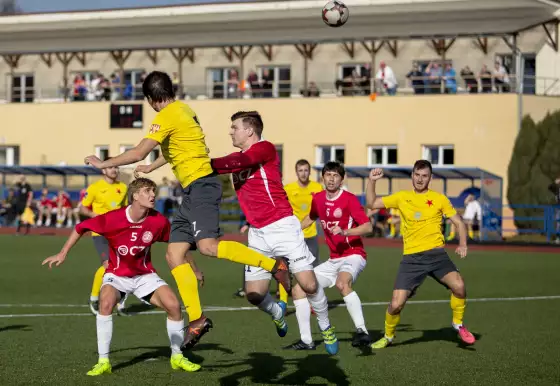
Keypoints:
pixel 129 242
pixel 258 182
pixel 83 193
pixel 345 211
pixel 64 200
pixel 47 202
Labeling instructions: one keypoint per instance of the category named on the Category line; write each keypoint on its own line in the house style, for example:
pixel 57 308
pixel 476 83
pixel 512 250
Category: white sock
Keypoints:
pixel 269 306
pixel 104 335
pixel 354 305
pixel 303 315
pixel 94 298
pixel 319 303
pixel 176 335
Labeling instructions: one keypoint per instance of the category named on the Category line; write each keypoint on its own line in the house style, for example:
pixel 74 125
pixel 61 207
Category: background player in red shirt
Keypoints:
pixel 274 230
pixel 344 221
pixel 46 207
pixel 64 209
pixel 131 231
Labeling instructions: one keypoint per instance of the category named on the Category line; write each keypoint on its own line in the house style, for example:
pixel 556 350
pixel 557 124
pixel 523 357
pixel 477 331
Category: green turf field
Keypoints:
pixel 53 342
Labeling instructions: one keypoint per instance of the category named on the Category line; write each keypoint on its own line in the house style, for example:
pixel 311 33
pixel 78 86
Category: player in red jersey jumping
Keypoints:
pixel 343 220
pixel 274 230
pixel 131 231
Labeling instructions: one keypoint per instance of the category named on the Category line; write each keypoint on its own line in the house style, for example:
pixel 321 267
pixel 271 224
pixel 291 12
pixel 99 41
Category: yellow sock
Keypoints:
pixel 391 322
pixel 239 253
pixel 188 289
pixel 97 281
pixel 451 236
pixel 283 294
pixel 392 230
pixel 458 308
pixel 471 234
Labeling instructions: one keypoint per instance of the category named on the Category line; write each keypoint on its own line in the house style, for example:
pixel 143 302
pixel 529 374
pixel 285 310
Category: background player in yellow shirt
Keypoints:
pixel 197 225
pixel 101 197
pixel 421 212
pixel 300 194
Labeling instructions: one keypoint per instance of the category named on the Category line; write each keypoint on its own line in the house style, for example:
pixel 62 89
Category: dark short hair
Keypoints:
pixel 302 162
pixel 137 184
pixel 250 118
pixel 334 166
pixel 158 87
pixel 422 164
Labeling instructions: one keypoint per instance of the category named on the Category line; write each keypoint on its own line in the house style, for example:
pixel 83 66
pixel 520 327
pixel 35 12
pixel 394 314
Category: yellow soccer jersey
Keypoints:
pixel 421 216
pixel 300 200
pixel 103 197
pixel 177 130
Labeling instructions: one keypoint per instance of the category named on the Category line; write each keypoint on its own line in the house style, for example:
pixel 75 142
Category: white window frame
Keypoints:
pixel 334 148
pixel 357 67
pixel 384 154
pixel 151 157
pixel 275 77
pixel 210 81
pixel 441 148
pixel 10 155
pixel 99 149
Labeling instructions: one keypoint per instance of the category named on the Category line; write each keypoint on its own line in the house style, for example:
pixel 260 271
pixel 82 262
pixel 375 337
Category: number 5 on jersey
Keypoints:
pixel 134 236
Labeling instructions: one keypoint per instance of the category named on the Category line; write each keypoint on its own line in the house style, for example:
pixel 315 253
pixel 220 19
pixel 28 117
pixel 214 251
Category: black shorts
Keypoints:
pixel 102 246
pixel 198 216
pixel 19 208
pixel 313 245
pixel 415 267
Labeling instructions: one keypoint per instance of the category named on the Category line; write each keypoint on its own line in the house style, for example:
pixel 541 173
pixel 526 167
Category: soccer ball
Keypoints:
pixel 335 13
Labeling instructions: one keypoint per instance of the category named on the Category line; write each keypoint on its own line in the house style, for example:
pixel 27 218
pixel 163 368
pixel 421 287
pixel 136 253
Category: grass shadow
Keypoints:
pixel 23 327
pixel 446 334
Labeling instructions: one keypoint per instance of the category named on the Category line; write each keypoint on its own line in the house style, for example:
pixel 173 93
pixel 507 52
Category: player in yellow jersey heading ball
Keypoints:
pixel 421 212
pixel 101 197
pixel 177 130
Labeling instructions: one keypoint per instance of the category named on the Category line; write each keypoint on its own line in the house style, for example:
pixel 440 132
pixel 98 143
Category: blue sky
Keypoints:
pixel 71 5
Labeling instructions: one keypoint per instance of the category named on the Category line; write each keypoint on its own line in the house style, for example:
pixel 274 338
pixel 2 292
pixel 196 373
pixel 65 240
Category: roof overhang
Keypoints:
pixel 269 22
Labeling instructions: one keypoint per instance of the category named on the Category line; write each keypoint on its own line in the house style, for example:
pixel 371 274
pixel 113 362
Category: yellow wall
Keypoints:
pixel 482 128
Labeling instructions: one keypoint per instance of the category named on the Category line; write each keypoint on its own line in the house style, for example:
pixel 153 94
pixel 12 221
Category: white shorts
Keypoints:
pixel 140 286
pixel 328 271
pixel 283 238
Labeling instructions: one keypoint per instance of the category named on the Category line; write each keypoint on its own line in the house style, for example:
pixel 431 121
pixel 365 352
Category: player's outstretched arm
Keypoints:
pixel 462 230
pixel 197 272
pixel 361 230
pixel 372 201
pixel 136 154
pixel 258 154
pixel 60 257
pixel 146 169
pixel 87 211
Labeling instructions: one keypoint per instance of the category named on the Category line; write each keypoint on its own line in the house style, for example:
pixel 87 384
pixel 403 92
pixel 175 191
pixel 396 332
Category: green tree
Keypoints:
pixel 534 164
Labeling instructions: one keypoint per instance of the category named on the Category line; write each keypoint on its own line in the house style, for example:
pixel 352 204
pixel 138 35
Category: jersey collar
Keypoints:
pixel 130 219
pixel 335 197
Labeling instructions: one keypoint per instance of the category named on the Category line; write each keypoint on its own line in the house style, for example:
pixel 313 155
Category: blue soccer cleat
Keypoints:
pixel 331 343
pixel 281 325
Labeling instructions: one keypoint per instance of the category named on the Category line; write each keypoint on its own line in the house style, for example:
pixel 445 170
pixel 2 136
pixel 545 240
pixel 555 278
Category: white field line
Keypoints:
pixel 218 308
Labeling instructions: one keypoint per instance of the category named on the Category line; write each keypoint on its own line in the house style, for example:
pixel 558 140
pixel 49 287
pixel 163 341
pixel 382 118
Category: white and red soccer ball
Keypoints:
pixel 335 13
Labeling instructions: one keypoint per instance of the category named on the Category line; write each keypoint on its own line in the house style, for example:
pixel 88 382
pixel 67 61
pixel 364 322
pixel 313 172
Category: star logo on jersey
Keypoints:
pixel 154 129
pixel 430 203
pixel 337 213
pixel 118 191
pixel 147 237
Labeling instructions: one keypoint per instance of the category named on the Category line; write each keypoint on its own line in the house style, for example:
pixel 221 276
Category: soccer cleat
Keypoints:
pixel 102 367
pixel 94 306
pixel 381 343
pixel 195 330
pixel 240 293
pixel 301 345
pixel 121 310
pixel 179 362
pixel 361 338
pixel 282 274
pixel 281 325
pixel 331 343
pixel 465 335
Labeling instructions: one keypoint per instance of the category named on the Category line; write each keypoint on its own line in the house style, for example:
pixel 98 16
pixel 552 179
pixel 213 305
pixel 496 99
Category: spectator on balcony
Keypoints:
pixel 233 84
pixel 485 79
pixel 501 77
pixel 366 78
pixel 95 88
pixel 267 83
pixel 450 79
pixel 254 84
pixel 115 87
pixel 106 87
pixel 434 74
pixel 416 78
pixel 387 78
pixel 80 88
pixel 471 84
pixel 311 91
